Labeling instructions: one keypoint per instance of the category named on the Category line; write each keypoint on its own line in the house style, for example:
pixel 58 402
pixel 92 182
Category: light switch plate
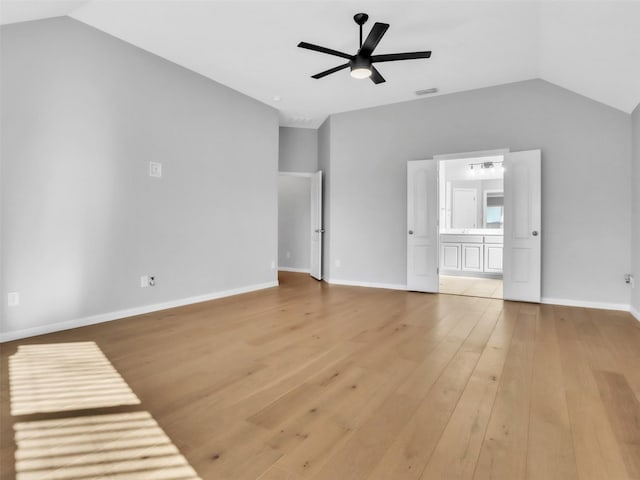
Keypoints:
pixel 155 169
pixel 13 299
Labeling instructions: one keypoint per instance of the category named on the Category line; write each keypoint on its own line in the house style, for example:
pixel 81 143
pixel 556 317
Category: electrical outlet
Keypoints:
pixel 144 281
pixel 338 263
pixel 155 169
pixel 152 281
pixel 273 264
pixel 13 299
pixel 288 254
pixel 628 278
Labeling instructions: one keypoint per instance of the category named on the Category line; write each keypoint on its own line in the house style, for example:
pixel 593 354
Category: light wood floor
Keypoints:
pixel 471 286
pixel 311 381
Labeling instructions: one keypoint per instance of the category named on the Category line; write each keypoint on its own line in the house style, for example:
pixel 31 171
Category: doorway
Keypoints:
pixel 518 258
pixel 300 223
pixel 471 222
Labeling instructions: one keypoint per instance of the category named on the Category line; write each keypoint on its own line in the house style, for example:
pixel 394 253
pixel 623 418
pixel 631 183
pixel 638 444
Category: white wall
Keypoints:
pixel 82 115
pixel 298 150
pixel 635 219
pixel 294 222
pixel 585 167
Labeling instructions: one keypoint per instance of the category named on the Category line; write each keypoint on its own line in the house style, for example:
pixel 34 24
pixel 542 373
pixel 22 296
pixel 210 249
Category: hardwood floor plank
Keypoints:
pixel 456 454
pixel 623 409
pixel 550 446
pixel 597 452
pixel 504 451
pixel 408 455
pixel 315 381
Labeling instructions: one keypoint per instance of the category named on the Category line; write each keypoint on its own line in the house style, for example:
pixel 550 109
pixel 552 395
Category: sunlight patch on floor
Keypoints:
pixel 64 376
pixel 117 446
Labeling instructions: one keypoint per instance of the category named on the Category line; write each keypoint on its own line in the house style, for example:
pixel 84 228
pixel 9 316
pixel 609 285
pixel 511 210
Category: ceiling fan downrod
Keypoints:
pixel 361 19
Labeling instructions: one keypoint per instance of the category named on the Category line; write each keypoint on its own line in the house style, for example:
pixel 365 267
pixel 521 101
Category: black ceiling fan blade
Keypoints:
pixel 330 71
pixel 374 37
pixel 392 57
pixel 375 76
pixel 317 48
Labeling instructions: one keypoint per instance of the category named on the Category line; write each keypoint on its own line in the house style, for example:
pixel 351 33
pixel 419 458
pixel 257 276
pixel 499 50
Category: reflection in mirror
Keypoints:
pixel 493 209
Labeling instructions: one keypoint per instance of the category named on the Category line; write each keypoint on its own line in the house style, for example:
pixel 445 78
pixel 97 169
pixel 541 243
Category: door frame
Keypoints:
pixel 478 154
pixel 307 175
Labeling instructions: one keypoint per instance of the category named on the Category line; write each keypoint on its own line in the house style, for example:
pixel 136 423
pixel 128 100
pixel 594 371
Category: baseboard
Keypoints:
pixel 297 270
pixel 130 312
pixel 635 312
pixel 579 303
pixel 552 301
pixel 351 283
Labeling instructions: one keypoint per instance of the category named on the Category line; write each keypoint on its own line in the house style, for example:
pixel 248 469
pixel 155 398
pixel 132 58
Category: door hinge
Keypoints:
pixel 438 270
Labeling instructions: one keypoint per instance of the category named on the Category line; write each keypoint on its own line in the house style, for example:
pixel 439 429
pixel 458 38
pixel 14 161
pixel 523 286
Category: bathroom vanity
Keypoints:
pixel 473 251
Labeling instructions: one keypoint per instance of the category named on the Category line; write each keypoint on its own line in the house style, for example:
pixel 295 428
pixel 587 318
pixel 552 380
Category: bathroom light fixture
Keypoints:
pixel 483 165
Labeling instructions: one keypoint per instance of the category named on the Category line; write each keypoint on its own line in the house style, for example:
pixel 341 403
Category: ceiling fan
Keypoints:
pixel 361 63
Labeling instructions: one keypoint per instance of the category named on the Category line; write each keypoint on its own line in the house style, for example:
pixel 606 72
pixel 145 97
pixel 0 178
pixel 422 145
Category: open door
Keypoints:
pixel 422 226
pixel 316 225
pixel 522 220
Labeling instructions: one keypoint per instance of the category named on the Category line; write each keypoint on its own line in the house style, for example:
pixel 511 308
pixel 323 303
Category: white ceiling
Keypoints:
pixel 590 47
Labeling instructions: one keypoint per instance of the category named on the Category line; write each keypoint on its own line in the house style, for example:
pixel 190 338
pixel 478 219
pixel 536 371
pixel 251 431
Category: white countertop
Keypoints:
pixel 472 231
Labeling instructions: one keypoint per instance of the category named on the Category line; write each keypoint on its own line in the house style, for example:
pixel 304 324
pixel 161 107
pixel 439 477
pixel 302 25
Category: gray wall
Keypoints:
pixel 635 235
pixel 83 114
pixel 298 150
pixel 585 185
pixel 294 222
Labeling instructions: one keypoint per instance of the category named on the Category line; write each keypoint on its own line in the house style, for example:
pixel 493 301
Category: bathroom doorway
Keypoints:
pixel 471 226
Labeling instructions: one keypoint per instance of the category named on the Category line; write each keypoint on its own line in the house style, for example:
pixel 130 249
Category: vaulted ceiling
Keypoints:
pixel 589 47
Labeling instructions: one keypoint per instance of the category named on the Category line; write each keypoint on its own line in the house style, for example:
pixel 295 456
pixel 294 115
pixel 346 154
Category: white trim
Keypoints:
pixel 477 154
pixel 580 303
pixel 635 313
pixel 291 269
pixel 129 312
pixel 352 283
pixel 295 174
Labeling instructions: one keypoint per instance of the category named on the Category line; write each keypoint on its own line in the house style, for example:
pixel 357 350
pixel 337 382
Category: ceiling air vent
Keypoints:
pixel 426 91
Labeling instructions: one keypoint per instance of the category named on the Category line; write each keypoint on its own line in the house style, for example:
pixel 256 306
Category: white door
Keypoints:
pixel 422 225
pixel 316 225
pixel 522 221
pixel 465 208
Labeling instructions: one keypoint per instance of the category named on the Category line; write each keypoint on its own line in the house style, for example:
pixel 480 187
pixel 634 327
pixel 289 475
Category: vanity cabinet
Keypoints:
pixel 471 253
pixel 493 258
pixel 450 256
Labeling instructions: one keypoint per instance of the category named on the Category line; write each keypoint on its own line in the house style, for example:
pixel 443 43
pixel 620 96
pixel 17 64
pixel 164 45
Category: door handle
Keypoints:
pixel 410 232
pixel 534 233
pixel 319 230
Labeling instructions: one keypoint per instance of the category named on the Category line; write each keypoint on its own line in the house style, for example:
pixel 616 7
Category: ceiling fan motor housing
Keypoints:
pixel 360 62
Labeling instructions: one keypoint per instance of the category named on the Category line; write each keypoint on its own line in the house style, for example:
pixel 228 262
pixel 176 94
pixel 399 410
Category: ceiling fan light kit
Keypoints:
pixel 361 64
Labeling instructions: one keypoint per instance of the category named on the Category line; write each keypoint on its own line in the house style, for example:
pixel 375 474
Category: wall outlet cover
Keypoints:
pixel 144 281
